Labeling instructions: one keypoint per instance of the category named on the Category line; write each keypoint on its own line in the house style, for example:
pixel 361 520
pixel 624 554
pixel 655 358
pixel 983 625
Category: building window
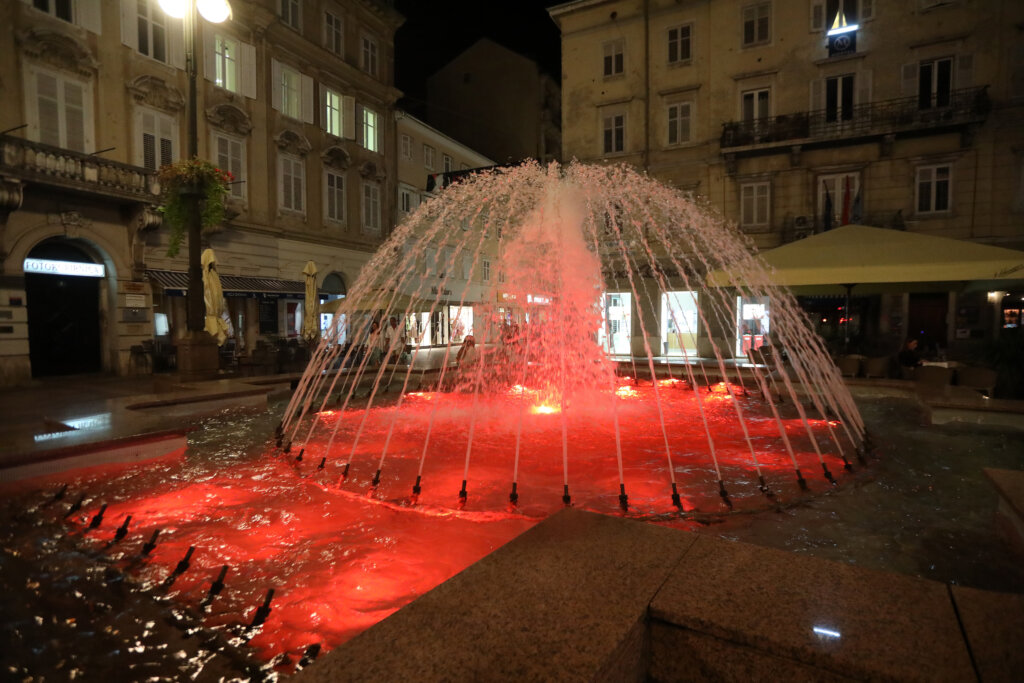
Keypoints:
pixel 933 188
pixel 231 157
pixel 63 115
pixel 428 157
pixel 290 12
pixel 485 270
pixel 839 98
pixel 292 183
pixel 614 133
pixel 613 58
pixel 225 55
pixel 754 200
pixel 290 88
pixel 405 200
pixel 332 112
pixel 679 123
pixel 679 44
pixel 756 104
pixel 825 12
pixel 333 33
pixel 935 83
pixel 757 24
pixel 840 194
pixel 447 163
pixel 334 196
pixel 56 8
pixel 371 209
pixel 159 134
pixel 406 146
pixel 370 129
pixel 152 29
pixel 368 60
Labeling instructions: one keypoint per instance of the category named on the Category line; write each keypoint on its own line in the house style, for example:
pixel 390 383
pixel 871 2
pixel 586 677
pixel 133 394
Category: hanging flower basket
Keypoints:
pixel 188 181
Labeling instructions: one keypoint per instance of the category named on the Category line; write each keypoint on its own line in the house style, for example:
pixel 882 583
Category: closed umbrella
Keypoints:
pixel 213 296
pixel 311 309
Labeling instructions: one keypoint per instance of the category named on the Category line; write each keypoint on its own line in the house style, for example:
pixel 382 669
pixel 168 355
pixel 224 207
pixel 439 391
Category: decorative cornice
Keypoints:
pixel 155 93
pixel 335 156
pixel 57 49
pixel 371 171
pixel 229 118
pixel 290 141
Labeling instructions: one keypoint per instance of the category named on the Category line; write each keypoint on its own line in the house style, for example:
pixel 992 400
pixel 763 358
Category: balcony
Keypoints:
pixel 902 117
pixel 53 167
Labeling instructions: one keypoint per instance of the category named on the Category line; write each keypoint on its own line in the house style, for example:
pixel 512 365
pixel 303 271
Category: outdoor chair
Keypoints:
pixel 933 376
pixel 981 379
pixel 849 366
pixel 877 367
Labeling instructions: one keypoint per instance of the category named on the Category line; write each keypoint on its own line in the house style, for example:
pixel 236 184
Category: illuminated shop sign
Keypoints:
pixel 47 267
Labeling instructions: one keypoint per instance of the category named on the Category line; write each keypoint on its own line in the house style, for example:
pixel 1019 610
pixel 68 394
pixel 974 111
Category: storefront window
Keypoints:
pixel 752 323
pixel 617 323
pixel 679 323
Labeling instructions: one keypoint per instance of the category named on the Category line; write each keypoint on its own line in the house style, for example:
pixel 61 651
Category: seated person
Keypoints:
pixel 468 354
pixel 909 357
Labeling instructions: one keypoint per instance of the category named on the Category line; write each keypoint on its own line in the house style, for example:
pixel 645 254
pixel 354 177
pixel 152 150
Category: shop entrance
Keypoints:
pixel 62 288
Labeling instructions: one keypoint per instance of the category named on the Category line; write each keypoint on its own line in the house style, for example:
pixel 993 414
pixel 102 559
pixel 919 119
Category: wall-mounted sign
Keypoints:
pixel 47 267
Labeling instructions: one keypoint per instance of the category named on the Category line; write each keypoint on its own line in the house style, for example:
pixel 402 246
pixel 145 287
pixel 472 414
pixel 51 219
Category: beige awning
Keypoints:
pixel 862 255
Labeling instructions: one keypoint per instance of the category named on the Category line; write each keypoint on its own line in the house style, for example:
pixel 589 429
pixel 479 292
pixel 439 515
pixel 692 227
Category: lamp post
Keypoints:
pixel 214 11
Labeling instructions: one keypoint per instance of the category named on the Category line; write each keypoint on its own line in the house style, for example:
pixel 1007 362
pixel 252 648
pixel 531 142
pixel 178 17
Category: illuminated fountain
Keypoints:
pixel 548 243
pixel 398 476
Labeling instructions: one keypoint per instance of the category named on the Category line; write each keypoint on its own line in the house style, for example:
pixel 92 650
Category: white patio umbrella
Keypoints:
pixel 213 296
pixel 311 307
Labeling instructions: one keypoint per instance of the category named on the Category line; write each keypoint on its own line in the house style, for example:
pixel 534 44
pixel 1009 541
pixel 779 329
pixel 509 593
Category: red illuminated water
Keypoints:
pixel 341 555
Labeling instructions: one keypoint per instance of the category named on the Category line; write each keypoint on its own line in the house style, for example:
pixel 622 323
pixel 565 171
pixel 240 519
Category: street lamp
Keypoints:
pixel 214 11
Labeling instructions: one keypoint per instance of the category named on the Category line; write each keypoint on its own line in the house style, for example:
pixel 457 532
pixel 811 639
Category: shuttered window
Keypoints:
pixel 61 111
pixel 159 139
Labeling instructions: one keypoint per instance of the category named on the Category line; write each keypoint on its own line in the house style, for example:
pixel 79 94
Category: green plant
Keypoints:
pixel 181 182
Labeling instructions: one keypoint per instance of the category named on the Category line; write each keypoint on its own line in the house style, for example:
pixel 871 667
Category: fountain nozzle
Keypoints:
pixel 150 544
pixel 675 497
pixel 299 456
pixel 344 472
pixel 462 494
pixel 763 485
pixel 59 495
pixel 288 447
pixel 724 494
pixel 828 475
pixel 376 479
pixel 263 611
pixel 75 507
pixel 122 530
pixel 216 587
pixel 310 655
pixel 416 487
pixel 323 461
pixel 98 518
pixel 566 498
pixel 801 481
pixel 846 464
pixel 514 496
pixel 623 498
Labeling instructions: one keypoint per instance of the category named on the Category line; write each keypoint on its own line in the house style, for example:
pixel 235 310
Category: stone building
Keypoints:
pixel 906 117
pixel 294 97
pixel 498 102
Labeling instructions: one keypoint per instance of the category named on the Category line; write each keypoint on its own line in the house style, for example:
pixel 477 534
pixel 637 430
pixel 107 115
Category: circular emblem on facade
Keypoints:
pixel 842 43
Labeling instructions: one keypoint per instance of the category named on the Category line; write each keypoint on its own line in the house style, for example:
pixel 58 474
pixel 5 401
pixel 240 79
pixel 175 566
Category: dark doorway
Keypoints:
pixel 927 320
pixel 63 316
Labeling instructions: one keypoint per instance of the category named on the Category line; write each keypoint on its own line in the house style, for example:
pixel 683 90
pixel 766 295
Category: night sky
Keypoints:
pixel 435 32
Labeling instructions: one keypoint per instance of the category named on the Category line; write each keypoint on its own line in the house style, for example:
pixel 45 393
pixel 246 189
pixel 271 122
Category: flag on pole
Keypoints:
pixel 846 201
pixel 857 212
pixel 826 220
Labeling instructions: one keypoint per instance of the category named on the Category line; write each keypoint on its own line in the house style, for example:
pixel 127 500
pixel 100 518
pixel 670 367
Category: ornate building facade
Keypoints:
pixel 295 98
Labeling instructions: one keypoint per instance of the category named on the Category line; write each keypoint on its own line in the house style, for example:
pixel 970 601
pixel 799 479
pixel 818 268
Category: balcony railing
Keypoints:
pixel 968 105
pixel 36 162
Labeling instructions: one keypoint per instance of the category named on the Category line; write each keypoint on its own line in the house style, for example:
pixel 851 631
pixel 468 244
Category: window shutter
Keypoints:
pixel 348 121
pixel 817 15
pixel 89 17
pixel 964 71
pixel 130 23
pixel 308 98
pixel 74 116
pixel 323 106
pixel 209 56
pixel 817 94
pixel 48 114
pixel 167 137
pixel 148 140
pixel 176 42
pixel 863 87
pixel 275 84
pixel 909 80
pixel 247 69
